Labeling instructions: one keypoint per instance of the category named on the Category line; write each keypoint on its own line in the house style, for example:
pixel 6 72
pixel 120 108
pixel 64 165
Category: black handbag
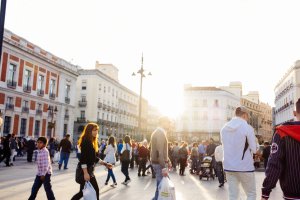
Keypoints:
pixel 79 176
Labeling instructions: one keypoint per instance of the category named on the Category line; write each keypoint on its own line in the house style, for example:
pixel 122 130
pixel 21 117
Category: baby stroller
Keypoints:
pixel 206 168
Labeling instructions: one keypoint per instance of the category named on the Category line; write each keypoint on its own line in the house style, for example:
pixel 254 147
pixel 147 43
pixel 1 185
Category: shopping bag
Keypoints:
pixel 89 192
pixel 56 156
pixel 166 189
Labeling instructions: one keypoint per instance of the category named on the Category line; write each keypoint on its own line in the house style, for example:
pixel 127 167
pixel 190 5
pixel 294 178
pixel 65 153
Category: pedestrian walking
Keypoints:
pixel 284 160
pixel 194 158
pixel 219 165
pixel 43 176
pixel 126 155
pixel 239 145
pixel 88 144
pixel 6 150
pixel 183 156
pixel 143 158
pixel 159 151
pixel 64 147
pixel 110 157
pixel 266 153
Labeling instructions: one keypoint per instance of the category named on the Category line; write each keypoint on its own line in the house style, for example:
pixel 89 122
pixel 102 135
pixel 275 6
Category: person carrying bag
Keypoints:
pixel 88 144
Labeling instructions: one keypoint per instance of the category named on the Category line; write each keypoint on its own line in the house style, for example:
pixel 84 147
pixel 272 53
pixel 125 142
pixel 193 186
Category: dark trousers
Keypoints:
pixel 265 163
pixel 47 185
pixel 220 172
pixel 194 167
pixel 182 165
pixel 94 183
pixel 124 169
pixel 110 174
pixel 152 170
pixel 142 166
pixel 64 158
pixel 6 156
pixel 29 156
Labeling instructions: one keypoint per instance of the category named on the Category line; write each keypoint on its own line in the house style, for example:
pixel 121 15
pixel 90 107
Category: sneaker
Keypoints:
pixel 114 185
pixel 139 175
pixel 59 166
pixel 144 174
pixel 128 181
pixel 221 185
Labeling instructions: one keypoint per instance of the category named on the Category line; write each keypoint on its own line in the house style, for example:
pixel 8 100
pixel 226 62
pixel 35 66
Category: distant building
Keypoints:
pixel 32 82
pixel 103 100
pixel 206 111
pixel 287 92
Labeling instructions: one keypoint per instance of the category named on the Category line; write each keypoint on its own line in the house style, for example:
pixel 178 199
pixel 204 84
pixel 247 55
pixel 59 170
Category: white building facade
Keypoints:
pixel 287 92
pixel 37 90
pixel 206 111
pixel 103 100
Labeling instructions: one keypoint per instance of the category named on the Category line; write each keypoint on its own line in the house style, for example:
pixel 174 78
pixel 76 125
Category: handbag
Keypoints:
pixel 79 176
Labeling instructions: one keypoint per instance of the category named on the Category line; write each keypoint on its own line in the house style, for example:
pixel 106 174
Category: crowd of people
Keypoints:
pixel 232 159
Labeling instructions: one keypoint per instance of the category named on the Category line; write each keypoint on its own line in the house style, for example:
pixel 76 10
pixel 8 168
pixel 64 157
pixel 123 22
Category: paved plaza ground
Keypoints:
pixel 16 183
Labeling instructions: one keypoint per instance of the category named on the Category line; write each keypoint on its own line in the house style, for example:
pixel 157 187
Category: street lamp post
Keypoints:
pixel 2 20
pixel 142 74
pixel 52 111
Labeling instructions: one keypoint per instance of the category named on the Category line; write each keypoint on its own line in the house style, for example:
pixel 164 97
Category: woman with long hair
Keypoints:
pixel 110 157
pixel 126 155
pixel 88 144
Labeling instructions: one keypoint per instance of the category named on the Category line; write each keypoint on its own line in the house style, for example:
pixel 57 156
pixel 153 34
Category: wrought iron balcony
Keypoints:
pixel 82 103
pixel 25 109
pixel 40 92
pixel 67 100
pixel 81 119
pixel 27 88
pixel 52 95
pixel 9 106
pixel 99 105
pixel 67 116
pixel 11 84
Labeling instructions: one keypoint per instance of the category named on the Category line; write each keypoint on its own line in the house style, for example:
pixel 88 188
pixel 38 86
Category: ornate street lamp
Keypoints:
pixel 142 74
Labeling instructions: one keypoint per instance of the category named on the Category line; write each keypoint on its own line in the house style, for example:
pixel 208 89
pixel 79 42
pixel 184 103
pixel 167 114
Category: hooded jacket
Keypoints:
pixel 284 162
pixel 233 136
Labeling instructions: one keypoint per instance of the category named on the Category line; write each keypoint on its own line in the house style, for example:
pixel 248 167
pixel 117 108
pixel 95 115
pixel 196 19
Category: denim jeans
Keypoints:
pixel 158 171
pixel 47 185
pixel 246 179
pixel 64 157
pixel 110 174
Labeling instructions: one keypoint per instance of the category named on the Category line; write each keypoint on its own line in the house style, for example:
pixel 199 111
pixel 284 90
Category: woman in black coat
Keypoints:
pixel 88 144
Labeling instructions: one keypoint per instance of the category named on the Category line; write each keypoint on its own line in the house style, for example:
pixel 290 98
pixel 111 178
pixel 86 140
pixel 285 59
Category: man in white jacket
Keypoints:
pixel 239 145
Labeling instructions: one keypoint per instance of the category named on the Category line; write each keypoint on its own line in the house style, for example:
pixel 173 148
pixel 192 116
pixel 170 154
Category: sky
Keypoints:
pixel 198 42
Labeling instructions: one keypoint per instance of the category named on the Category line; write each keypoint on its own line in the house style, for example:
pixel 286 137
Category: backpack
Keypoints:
pixel 125 157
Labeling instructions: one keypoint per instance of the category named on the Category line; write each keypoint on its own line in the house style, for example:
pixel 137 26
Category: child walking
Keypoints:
pixel 44 171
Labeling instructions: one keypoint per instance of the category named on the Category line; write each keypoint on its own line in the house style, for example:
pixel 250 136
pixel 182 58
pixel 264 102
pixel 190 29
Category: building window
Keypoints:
pixel 83 98
pixel 12 72
pixel 52 86
pixel 23 127
pixel 83 85
pixel 108 89
pixel 99 87
pixel 216 103
pixel 113 92
pixel 107 117
pixel 104 89
pixel 41 83
pixel 37 129
pixel 7 124
pixel 65 129
pixel 204 103
pixel 39 106
pixel 27 79
pixel 68 89
pixel 82 114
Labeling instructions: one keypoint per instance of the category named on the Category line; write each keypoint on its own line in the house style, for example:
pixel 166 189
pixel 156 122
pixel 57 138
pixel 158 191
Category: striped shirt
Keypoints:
pixel 284 165
pixel 43 162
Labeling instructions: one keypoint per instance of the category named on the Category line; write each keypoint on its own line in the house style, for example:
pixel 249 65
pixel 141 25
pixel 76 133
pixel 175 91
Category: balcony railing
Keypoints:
pixel 52 95
pixel 11 84
pixel 82 103
pixel 67 100
pixel 27 88
pixel 99 105
pixel 9 106
pixel 81 119
pixel 108 108
pixel 67 117
pixel 40 93
pixel 39 112
pixel 25 109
